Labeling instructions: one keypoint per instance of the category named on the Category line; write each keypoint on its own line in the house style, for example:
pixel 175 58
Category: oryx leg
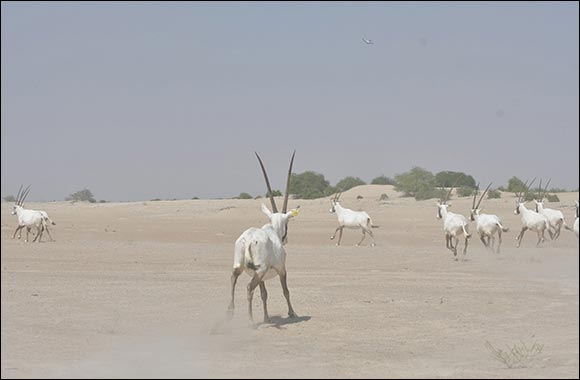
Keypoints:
pixel 335 231
pixel 235 274
pixel 48 232
pixel 492 245
pixel 521 236
pixel 251 287
pixel 283 276
pixel 18 229
pixel 363 236
pixel 466 244
pixel 370 232
pixel 541 237
pixel 39 231
pixel 340 235
pixel 499 240
pixel 455 247
pixel 482 238
pixel 264 295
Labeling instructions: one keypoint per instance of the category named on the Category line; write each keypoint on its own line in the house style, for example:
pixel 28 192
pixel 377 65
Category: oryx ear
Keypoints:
pixel 266 211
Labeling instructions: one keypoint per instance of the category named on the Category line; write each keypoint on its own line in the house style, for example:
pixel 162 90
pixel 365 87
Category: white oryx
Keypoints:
pixel 454 225
pixel 27 218
pixel 351 219
pixel 575 229
pixel 487 225
pixel 260 251
pixel 531 220
pixel 555 217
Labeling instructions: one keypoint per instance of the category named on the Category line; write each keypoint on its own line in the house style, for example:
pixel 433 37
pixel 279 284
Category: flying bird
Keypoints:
pixel 368 42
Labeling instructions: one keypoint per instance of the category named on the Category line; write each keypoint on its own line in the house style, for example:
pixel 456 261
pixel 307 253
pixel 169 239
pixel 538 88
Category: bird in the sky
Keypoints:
pixel 368 42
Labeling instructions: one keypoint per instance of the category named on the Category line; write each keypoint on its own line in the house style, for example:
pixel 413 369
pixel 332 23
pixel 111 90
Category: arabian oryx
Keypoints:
pixel 531 220
pixel 454 225
pixel 27 218
pixel 351 219
pixel 487 225
pixel 260 251
pixel 555 217
pixel 575 222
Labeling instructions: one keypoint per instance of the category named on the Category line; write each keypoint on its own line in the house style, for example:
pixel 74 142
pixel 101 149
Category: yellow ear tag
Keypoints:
pixel 294 212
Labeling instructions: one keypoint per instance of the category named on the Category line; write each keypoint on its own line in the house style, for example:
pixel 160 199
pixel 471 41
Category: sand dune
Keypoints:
pixel 140 290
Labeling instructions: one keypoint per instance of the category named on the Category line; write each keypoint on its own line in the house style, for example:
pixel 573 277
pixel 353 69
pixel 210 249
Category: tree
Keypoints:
pixel 308 185
pixel 9 198
pixel 515 185
pixel 349 182
pixel 449 178
pixel 383 180
pixel 416 181
pixel 276 193
pixel 84 195
pixel 244 196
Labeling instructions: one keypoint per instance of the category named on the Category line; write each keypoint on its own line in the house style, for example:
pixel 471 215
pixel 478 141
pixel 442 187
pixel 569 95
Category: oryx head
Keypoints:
pixel 521 195
pixel 442 203
pixel 541 196
pixel 20 197
pixel 475 210
pixel 334 202
pixel 279 220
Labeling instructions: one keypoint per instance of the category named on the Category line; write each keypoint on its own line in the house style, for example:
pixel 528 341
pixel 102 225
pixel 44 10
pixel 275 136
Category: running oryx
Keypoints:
pixel 351 219
pixel 487 225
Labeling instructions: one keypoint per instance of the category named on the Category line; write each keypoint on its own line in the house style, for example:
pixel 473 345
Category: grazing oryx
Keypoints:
pixel 575 222
pixel 555 217
pixel 487 225
pixel 260 251
pixel 26 218
pixel 453 224
pixel 351 219
pixel 531 220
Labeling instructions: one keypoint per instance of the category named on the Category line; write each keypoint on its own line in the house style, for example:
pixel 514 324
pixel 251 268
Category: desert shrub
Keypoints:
pixel 155 199
pixel 359 197
pixel 501 188
pixel 9 198
pixel 465 191
pixel 102 201
pixel 415 181
pixel 308 185
pixel 515 185
pixel 493 194
pixel 383 180
pixel 552 198
pixel 383 197
pixel 515 356
pixel 244 196
pixel 84 195
pixel 449 178
pixel 194 198
pixel 558 190
pixel 349 182
pixel 276 193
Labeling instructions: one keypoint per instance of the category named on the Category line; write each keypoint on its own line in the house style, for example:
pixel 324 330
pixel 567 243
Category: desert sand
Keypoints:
pixel 141 290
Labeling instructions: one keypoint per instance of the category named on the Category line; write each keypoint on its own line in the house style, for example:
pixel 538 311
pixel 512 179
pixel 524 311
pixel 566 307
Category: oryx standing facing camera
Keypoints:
pixel 260 251
pixel 454 225
pixel 531 220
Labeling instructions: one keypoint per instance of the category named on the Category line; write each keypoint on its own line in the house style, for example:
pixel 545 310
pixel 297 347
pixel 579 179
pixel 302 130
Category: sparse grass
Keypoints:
pixel 493 194
pixel 516 356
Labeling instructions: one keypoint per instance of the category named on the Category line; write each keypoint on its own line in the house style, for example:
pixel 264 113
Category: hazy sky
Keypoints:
pixel 169 100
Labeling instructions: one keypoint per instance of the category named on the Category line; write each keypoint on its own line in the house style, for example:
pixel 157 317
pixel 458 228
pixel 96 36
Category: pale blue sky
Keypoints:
pixel 169 100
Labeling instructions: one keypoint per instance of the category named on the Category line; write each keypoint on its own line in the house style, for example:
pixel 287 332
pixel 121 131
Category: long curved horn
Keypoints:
pixel 527 187
pixel 274 208
pixel 483 195
pixel 18 195
pixel 546 188
pixel 475 196
pixel 452 187
pixel 285 206
pixel 24 195
pixel 540 193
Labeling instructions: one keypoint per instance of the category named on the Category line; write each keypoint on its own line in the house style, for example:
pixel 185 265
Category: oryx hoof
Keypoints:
pixel 292 314
pixel 332 238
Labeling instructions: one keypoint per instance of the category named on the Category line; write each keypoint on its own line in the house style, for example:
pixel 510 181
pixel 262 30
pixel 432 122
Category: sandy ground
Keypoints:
pixel 141 289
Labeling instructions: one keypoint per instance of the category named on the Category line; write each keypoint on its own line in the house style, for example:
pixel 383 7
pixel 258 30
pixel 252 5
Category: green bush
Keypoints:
pixel 9 198
pixel 552 198
pixel 415 181
pixel 244 196
pixel 84 195
pixel 493 194
pixel 276 193
pixel 383 197
pixel 449 178
pixel 465 191
pixel 383 180
pixel 515 185
pixel 308 185
pixel 349 182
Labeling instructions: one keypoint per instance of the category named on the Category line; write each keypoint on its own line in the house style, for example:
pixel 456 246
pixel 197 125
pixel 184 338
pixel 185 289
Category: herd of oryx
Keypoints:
pixel 260 251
